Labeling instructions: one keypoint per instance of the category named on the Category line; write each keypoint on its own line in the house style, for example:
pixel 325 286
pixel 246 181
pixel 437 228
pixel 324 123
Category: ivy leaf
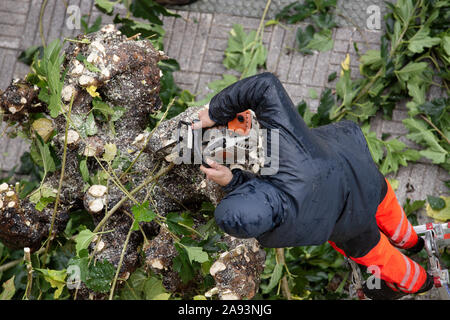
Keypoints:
pixel 154 290
pixel 182 265
pixel 196 254
pixel 142 213
pixel 442 214
pixel 100 276
pixel 436 203
pixel 83 239
pixel 175 222
pixel 56 278
pixel 324 21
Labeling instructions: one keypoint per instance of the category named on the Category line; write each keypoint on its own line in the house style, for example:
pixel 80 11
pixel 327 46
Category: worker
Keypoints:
pixel 327 188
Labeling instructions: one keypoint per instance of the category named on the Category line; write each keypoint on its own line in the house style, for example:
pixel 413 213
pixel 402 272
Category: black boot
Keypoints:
pixel 428 285
pixel 417 247
pixel 383 293
pixel 387 293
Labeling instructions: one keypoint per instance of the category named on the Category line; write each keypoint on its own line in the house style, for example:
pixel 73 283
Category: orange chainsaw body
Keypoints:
pixel 242 123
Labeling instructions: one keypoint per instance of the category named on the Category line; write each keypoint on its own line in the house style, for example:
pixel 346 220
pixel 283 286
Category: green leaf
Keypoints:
pixel 322 117
pixel 196 254
pixel 182 265
pixel 83 240
pixel 41 155
pixel 435 109
pixel 442 214
pixel 422 40
pixel 313 94
pixel 90 126
pixel 154 290
pixel 56 278
pixel 436 203
pixel 110 152
pixel 304 38
pixel 332 76
pixel 142 213
pixel 175 222
pixel 84 170
pixel 100 276
pixel 245 52
pixel 419 133
pixel 87 64
pixel 321 41
pixel 103 108
pixel 344 89
pixel 275 278
pixel 8 289
pixel 412 69
pixel 413 207
pixel 30 54
pixel 105 5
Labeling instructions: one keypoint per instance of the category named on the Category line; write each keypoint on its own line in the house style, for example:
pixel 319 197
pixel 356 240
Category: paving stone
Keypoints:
pixel 16 6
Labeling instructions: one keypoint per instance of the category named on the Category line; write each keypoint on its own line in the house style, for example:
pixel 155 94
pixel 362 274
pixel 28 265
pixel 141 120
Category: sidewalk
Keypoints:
pixel 198 40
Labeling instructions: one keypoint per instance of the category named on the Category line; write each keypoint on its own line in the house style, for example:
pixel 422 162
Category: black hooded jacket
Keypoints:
pixel 327 186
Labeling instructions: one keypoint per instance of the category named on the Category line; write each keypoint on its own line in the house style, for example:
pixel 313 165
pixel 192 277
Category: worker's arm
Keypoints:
pixel 252 209
pixel 262 93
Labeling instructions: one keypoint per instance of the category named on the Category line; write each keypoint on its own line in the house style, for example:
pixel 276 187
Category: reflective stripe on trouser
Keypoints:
pixel 392 221
pixel 393 266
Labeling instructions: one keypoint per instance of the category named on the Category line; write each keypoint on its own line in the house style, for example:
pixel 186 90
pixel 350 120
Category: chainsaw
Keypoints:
pixel 236 143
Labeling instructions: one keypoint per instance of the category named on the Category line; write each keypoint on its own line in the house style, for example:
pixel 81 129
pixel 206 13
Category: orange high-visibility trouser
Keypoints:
pixel 395 231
